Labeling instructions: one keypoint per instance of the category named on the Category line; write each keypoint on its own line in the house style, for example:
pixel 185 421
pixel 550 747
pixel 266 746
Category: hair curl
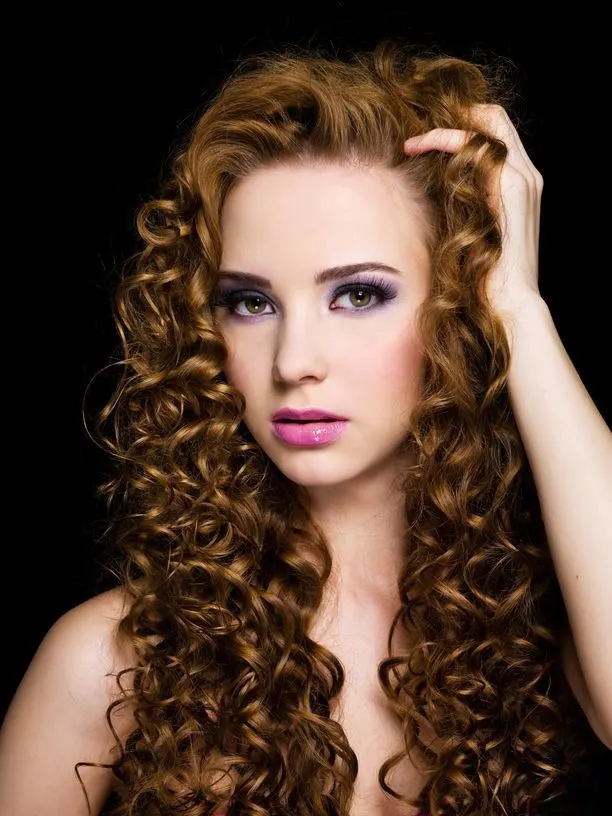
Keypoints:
pixel 215 545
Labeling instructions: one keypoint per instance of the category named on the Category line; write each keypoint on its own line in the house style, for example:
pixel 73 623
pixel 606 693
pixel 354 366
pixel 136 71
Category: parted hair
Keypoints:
pixel 217 549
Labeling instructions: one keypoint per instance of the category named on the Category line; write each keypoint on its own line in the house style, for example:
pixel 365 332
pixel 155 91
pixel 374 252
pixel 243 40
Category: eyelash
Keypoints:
pixel 375 285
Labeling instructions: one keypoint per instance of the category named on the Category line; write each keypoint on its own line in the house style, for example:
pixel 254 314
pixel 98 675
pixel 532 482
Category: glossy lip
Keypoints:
pixel 307 434
pixel 305 414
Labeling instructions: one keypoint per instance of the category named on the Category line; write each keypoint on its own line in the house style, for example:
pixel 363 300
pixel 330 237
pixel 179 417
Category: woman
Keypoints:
pixel 344 409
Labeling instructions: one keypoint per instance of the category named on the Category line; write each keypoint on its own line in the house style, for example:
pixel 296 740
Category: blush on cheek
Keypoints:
pixel 403 369
pixel 405 357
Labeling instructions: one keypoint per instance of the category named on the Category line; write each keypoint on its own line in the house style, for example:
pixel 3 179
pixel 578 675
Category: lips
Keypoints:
pixel 305 421
pixel 306 415
pixel 310 432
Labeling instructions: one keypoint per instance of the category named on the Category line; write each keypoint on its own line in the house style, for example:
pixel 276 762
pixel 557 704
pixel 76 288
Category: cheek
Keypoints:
pixel 246 372
pixel 394 368
pixel 409 364
pixel 237 374
pixel 234 368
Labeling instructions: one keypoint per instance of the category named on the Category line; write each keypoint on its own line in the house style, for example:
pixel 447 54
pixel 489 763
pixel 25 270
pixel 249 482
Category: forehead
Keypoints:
pixel 324 213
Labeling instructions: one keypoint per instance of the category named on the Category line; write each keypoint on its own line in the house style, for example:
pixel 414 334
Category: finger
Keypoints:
pixel 494 119
pixel 448 140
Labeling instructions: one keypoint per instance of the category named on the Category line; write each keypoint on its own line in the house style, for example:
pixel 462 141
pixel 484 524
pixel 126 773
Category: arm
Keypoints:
pixel 57 716
pixel 567 442
pixel 569 447
pixel 575 678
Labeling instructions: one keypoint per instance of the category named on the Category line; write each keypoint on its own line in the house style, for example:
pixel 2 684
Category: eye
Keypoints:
pixel 373 287
pixel 230 300
pixel 255 303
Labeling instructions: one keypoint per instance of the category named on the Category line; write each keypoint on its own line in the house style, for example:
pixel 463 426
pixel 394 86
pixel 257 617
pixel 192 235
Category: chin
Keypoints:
pixel 318 472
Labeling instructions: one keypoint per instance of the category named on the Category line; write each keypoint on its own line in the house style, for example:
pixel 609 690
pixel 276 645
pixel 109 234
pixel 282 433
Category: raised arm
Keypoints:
pixel 567 441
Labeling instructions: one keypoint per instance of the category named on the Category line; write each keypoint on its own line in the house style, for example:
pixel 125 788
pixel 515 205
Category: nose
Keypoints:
pixel 299 352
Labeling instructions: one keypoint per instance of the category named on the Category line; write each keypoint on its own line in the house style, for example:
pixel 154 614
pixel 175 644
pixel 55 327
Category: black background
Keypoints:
pixel 98 102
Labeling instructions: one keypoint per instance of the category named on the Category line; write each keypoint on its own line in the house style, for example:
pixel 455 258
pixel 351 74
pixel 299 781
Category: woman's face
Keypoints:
pixel 334 346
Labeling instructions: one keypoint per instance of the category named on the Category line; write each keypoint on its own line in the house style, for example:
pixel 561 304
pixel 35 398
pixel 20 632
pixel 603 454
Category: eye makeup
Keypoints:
pixel 384 290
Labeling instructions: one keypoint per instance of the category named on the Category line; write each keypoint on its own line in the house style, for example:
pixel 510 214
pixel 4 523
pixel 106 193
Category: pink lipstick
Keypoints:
pixel 309 433
pixel 307 427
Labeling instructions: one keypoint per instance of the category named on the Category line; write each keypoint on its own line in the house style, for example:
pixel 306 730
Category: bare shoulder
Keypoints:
pixel 92 628
pixel 57 717
pixel 84 647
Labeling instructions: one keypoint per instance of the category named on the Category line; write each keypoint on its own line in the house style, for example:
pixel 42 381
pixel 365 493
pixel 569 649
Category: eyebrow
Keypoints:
pixel 333 273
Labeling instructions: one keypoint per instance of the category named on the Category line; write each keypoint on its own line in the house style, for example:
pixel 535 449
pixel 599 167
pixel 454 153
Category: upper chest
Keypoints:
pixel 359 641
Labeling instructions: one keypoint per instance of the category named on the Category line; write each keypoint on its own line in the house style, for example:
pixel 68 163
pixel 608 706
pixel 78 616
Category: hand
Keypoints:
pixel 515 194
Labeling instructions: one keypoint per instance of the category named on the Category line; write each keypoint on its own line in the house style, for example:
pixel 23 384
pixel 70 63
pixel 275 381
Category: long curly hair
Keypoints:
pixel 224 565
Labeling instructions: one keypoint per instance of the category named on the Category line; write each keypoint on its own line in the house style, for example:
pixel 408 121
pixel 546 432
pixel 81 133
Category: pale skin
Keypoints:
pixel 303 345
pixel 305 351
pixel 568 442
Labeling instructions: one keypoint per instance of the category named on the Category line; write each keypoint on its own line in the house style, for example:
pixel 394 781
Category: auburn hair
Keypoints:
pixel 222 561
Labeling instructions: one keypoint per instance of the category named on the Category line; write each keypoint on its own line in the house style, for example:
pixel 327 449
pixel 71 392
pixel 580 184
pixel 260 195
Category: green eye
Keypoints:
pixel 360 298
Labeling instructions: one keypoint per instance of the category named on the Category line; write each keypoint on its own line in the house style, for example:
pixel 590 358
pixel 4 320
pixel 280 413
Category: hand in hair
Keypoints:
pixel 514 186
